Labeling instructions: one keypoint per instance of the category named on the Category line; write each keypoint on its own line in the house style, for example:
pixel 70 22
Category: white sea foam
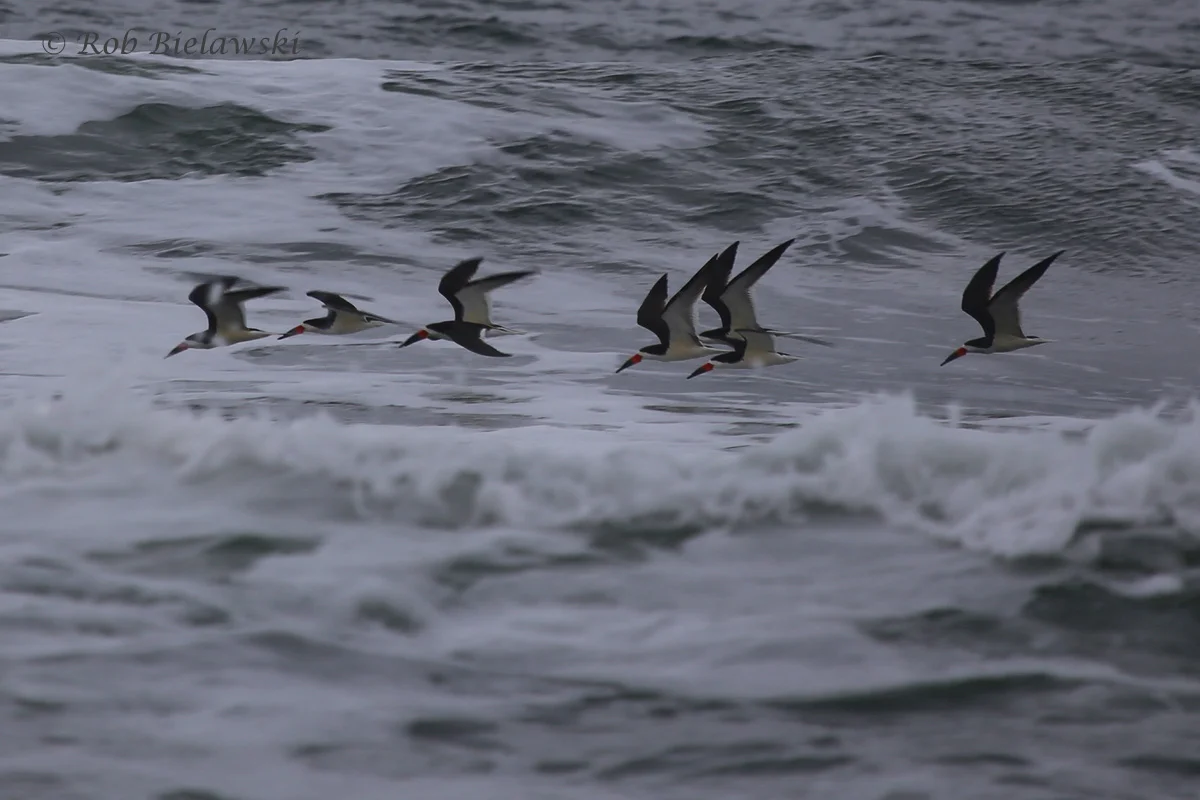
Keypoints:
pixel 259 599
pixel 582 455
pixel 1179 169
pixel 1006 492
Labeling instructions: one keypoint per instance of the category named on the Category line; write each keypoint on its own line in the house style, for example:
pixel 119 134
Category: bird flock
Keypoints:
pixel 672 321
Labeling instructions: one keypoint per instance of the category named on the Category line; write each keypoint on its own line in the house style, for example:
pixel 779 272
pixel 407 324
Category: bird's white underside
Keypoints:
pixel 757 360
pixel 1007 344
pixel 683 353
pixel 351 323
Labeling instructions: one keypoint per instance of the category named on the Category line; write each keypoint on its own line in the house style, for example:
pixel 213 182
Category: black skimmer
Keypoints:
pixel 472 308
pixel 673 321
pixel 999 314
pixel 222 305
pixel 343 317
pixel 752 348
pixel 731 299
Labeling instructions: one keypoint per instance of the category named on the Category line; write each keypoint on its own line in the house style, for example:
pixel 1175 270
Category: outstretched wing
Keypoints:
pixel 737 293
pixel 650 312
pixel 208 294
pixel 680 311
pixel 455 279
pixel 470 336
pixel 474 297
pixel 719 267
pixel 1004 306
pixel 978 293
pixel 230 315
pixel 334 302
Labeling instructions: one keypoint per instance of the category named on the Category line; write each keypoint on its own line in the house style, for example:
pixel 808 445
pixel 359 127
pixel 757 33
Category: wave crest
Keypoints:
pixel 1010 492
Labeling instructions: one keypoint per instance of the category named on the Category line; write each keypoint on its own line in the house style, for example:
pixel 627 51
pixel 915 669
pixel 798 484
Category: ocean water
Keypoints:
pixel 331 567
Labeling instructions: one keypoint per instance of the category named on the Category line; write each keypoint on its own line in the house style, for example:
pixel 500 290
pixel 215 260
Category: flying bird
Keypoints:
pixel 343 317
pixel 222 304
pixel 673 321
pixel 732 299
pixel 472 308
pixel 999 314
pixel 752 348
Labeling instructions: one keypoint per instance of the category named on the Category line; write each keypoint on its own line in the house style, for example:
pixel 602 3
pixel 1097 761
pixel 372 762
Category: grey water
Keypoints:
pixel 331 566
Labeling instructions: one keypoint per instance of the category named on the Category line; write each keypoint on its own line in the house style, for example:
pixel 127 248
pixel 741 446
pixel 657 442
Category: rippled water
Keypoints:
pixel 333 566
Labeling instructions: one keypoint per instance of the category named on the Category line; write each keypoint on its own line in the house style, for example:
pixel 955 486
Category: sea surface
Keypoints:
pixel 330 567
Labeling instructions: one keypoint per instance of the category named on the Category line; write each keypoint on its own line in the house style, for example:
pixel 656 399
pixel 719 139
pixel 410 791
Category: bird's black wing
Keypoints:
pixel 719 267
pixel 649 314
pixel 208 294
pixel 470 336
pixel 976 296
pixel 455 279
pixel 334 302
pixel 493 282
pixel 1004 306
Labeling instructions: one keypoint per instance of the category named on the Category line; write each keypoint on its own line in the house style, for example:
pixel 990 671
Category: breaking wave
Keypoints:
pixel 1009 492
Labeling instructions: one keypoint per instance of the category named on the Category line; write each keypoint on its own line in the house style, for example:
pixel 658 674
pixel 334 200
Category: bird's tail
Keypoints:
pixel 499 330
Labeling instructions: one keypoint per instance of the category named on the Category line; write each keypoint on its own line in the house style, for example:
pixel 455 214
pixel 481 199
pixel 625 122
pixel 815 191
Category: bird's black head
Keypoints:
pixel 444 328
